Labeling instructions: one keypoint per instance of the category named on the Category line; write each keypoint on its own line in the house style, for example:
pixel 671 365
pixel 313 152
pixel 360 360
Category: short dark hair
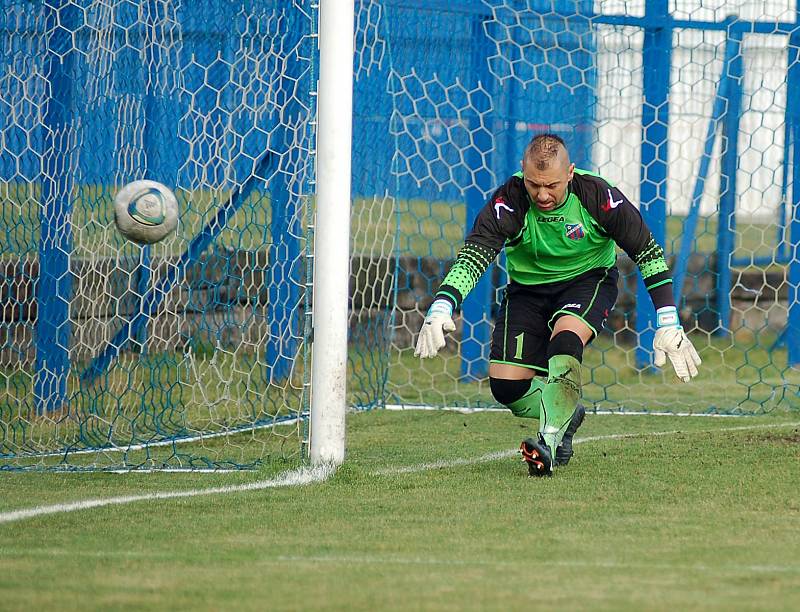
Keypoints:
pixel 544 147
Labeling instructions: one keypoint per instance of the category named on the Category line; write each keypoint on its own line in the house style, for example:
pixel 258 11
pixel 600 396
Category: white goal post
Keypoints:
pixel 332 235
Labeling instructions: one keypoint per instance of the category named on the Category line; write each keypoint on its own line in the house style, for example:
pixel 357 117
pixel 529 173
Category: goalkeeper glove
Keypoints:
pixel 671 341
pixel 431 337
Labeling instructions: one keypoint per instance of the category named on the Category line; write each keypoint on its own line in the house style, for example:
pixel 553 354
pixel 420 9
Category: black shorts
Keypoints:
pixel 528 312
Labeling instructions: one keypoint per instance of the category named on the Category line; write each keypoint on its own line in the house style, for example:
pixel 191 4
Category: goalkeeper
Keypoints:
pixel 558 226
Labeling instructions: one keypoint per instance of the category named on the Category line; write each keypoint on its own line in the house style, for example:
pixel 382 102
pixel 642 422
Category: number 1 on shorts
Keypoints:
pixel 518 352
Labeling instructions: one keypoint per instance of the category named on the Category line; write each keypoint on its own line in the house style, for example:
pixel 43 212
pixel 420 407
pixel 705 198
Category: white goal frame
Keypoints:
pixel 332 232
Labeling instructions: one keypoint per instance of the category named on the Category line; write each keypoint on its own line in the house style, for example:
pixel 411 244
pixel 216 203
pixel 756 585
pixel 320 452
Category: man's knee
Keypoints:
pixel 509 391
pixel 566 343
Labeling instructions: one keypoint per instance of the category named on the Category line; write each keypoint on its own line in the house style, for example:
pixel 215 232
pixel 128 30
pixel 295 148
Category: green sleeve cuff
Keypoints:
pixel 470 264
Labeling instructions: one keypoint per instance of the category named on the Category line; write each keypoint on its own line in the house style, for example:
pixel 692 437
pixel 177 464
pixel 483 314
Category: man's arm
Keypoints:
pixel 495 223
pixel 471 262
pixel 625 225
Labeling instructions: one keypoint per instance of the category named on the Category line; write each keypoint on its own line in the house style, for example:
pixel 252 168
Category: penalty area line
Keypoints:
pixel 301 476
pixel 497 455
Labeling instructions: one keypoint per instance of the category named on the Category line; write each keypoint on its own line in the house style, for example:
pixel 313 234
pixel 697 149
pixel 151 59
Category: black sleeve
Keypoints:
pixel 500 220
pixel 623 223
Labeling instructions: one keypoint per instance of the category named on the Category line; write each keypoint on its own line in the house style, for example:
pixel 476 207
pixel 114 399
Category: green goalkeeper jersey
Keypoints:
pixel 554 246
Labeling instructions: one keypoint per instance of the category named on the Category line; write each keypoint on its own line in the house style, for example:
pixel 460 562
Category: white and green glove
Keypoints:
pixel 431 337
pixel 671 341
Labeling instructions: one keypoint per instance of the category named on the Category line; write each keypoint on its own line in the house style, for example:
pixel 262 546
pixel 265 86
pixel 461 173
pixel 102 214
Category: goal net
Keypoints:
pixel 195 352
pixel 190 353
pixel 685 106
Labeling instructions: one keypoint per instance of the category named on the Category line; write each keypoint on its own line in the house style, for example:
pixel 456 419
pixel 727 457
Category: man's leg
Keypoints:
pixel 581 309
pixel 563 388
pixel 516 388
pixel 518 353
pixel 564 450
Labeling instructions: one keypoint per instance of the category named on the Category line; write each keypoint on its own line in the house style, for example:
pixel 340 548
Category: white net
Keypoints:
pixel 702 145
pixel 188 353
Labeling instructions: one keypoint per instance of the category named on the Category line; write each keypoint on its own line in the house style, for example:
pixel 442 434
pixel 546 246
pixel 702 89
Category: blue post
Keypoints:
pixel 54 287
pixel 477 308
pixel 690 224
pixel 793 119
pixel 726 230
pixel 514 147
pixel 143 276
pixel 657 58
pixel 514 142
pixel 284 289
pixel 783 251
pixel 284 265
pixel 152 139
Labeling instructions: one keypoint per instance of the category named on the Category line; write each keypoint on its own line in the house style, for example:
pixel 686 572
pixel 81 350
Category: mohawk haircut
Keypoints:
pixel 543 148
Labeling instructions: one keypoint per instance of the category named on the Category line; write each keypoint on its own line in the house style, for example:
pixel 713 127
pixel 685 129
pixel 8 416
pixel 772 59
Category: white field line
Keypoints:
pixel 300 476
pixel 461 409
pixel 113 448
pixel 162 471
pixel 304 476
pixel 436 465
pixel 378 560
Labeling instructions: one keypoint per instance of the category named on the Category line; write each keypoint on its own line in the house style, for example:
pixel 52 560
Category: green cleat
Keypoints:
pixel 537 455
pixel 564 451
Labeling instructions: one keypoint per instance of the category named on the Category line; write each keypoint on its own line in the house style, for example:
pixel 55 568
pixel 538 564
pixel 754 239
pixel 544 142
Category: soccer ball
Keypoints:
pixel 145 211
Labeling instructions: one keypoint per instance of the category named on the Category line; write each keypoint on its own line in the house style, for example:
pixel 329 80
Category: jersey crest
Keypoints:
pixel 574 231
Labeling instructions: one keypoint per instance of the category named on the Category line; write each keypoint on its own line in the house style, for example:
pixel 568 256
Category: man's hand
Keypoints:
pixel 431 337
pixel 671 341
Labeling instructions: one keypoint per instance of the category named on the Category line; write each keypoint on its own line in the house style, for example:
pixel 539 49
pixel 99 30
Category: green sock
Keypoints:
pixel 528 405
pixel 559 398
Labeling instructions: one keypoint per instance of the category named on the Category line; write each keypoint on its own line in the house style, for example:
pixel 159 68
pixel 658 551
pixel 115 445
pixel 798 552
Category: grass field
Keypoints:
pixel 434 511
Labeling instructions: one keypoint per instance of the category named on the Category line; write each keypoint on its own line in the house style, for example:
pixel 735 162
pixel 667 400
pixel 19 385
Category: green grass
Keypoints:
pixel 701 519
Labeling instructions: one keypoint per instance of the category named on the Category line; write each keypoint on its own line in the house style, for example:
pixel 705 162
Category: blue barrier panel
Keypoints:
pixel 152 144
pixel 54 288
pixel 726 230
pixel 477 307
pixel 284 271
pixel 656 59
pixel 793 118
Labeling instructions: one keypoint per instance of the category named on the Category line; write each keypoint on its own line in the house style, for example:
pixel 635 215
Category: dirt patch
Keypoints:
pixel 788 438
pixel 783 438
